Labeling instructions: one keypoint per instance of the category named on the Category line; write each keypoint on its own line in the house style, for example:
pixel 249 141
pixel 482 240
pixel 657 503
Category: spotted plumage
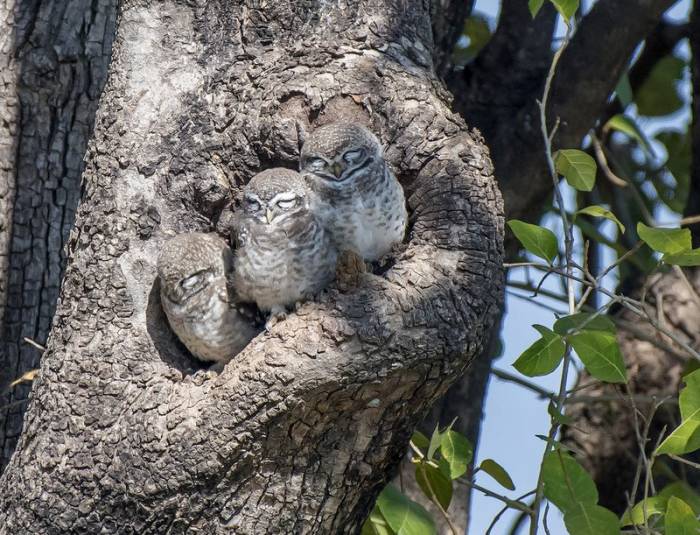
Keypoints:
pixel 361 202
pixel 194 271
pixel 283 254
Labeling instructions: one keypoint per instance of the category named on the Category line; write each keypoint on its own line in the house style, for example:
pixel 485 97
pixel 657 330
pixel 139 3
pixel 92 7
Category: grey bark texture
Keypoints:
pixel 302 429
pixel 53 64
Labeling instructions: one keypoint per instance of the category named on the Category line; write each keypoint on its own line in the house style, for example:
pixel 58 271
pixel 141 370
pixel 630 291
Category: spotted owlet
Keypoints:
pixel 361 202
pixel 195 291
pixel 284 254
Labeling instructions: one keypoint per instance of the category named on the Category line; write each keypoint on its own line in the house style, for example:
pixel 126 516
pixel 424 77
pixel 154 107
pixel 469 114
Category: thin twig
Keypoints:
pixel 684 461
pixel 544 519
pixel 437 503
pixel 633 305
pixel 690 220
pixel 619 260
pixel 535 302
pixel 35 344
pixel 568 251
pixel 503 510
pixel 504 375
pixel 513 504
pixel 603 162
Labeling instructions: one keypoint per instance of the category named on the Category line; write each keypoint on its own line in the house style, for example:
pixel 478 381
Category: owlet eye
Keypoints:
pixel 287 204
pixel 354 156
pixel 315 163
pixel 252 204
pixel 193 280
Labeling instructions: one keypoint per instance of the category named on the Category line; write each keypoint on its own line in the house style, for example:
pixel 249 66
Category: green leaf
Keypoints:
pixel 599 211
pixel 457 451
pixel 680 518
pixel 583 321
pixel 680 489
pixel 686 437
pixel 678 148
pixel 591 519
pixel 656 505
pixel 601 355
pixel 434 443
pixel 497 472
pixel 404 517
pixel 558 417
pixel 665 240
pixel 689 399
pixel 658 95
pixel 687 258
pixel 577 167
pixel 538 240
pixel 534 7
pixel 566 8
pixel 629 127
pixel 624 90
pixel 420 441
pixel 542 357
pixel 376 524
pixel 434 484
pixel 476 29
pixel 566 483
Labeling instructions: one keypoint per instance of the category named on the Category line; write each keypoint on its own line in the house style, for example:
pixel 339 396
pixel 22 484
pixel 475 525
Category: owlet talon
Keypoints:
pixel 277 314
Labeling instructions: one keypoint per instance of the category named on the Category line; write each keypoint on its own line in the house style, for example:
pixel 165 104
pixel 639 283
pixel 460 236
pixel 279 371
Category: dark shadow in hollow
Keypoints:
pixel 171 350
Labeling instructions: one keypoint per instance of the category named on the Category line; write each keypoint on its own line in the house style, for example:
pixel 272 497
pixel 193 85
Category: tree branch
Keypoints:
pixel 448 18
pixel 598 55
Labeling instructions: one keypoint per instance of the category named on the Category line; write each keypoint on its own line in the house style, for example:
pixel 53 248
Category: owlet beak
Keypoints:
pixel 268 216
pixel 337 169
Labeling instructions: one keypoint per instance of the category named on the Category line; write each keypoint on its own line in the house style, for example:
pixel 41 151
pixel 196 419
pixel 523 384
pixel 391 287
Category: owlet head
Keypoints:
pixel 190 262
pixel 275 195
pixel 338 152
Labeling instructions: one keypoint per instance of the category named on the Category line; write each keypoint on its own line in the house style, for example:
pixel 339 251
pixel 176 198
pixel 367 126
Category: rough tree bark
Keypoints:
pixel 300 431
pixel 53 66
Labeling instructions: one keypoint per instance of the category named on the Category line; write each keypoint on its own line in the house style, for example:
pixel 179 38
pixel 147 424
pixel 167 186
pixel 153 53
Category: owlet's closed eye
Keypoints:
pixel 354 156
pixel 193 281
pixel 315 164
pixel 287 204
pixel 251 204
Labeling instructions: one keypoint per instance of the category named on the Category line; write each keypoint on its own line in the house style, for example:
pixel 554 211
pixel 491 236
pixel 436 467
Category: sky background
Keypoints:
pixel 513 415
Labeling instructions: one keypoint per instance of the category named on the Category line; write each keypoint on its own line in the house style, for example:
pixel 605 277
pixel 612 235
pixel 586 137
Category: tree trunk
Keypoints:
pixel 303 428
pixel 55 55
